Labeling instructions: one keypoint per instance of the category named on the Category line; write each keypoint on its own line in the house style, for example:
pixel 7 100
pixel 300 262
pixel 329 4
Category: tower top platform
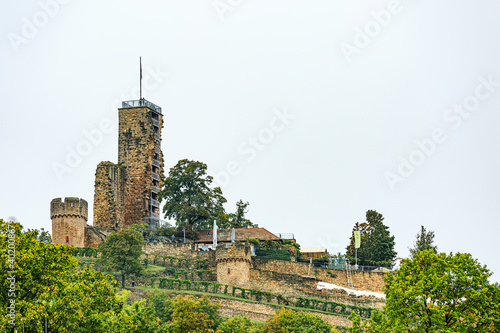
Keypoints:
pixel 141 103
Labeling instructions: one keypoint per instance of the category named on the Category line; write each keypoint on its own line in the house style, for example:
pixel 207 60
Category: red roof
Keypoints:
pixel 241 234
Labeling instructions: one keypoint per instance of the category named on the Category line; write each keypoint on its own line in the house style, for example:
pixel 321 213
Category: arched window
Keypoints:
pixel 228 271
pixel 67 239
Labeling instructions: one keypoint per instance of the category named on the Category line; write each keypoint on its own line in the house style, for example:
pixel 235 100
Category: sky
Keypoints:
pixel 312 111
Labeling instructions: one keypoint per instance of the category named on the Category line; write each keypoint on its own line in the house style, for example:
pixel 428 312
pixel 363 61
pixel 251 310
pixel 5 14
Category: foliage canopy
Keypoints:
pixel 48 287
pixel 437 293
pixel 190 199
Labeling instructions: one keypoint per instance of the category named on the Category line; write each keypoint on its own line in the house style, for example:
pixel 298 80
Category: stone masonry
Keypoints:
pixel 108 196
pixel 361 280
pixel 137 142
pixel 126 193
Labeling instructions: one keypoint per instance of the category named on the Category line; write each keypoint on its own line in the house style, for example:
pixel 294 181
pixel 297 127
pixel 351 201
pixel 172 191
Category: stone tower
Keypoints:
pixel 127 193
pixel 69 219
pixel 233 264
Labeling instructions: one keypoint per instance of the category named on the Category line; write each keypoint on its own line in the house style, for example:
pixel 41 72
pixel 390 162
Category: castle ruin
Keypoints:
pixel 126 192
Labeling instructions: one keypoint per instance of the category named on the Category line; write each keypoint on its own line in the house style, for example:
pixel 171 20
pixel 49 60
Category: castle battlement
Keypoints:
pixel 237 251
pixel 69 207
pixel 69 219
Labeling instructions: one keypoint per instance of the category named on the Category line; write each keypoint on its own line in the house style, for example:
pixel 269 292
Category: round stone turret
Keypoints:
pixel 69 219
pixel 233 264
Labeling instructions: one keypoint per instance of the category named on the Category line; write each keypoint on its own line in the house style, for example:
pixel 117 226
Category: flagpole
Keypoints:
pixel 140 81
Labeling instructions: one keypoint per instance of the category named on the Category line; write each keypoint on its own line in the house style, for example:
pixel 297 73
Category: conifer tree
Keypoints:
pixel 377 244
pixel 425 240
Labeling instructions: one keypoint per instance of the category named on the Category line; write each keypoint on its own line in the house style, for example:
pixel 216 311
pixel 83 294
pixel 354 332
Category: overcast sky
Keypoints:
pixel 313 111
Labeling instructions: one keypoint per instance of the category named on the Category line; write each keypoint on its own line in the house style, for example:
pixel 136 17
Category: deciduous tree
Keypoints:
pixel 237 324
pixel 187 317
pixel 297 322
pixel 120 253
pixel 188 197
pixel 162 304
pixel 48 287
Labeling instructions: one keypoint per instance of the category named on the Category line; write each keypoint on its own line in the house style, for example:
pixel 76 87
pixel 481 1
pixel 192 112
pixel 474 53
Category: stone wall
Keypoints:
pixel 362 280
pixel 177 250
pixel 293 285
pixel 288 285
pixel 262 312
pixel 69 218
pixel 94 236
pixel 181 251
pixel 109 196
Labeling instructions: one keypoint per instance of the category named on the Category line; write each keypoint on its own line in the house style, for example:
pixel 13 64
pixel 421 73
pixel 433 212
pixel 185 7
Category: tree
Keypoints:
pixel 362 254
pixel 237 324
pixel 437 293
pixel 211 309
pixel 238 219
pixel 41 235
pixel 143 317
pixel 47 286
pixel 120 253
pixel 377 245
pixel 187 317
pixel 297 322
pixel 75 305
pixel 162 304
pixel 425 240
pixel 188 197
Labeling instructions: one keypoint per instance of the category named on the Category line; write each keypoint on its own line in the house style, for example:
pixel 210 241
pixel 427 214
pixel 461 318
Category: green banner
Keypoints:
pixel 357 238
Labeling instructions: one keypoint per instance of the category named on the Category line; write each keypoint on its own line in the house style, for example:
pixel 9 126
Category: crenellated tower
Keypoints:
pixel 69 219
pixel 233 264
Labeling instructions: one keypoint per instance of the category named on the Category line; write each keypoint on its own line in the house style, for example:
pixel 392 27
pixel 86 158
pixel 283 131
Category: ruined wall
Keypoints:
pixel 94 236
pixel 179 250
pixel 137 145
pixel 281 283
pixel 109 196
pixel 362 280
pixel 233 264
pixel 69 218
